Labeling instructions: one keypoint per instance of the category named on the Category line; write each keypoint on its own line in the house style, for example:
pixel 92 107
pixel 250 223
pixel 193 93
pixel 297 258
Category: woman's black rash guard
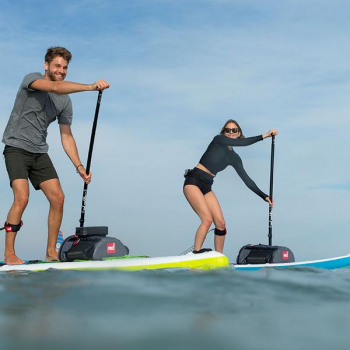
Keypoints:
pixel 217 157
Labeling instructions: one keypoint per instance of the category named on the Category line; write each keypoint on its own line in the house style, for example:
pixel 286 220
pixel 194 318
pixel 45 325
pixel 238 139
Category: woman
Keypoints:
pixel 197 186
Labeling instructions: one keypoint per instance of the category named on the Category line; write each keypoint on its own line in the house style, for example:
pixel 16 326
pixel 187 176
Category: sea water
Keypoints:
pixel 298 308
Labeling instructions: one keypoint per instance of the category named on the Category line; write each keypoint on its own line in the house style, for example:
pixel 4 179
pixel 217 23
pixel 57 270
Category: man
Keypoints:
pixel 39 101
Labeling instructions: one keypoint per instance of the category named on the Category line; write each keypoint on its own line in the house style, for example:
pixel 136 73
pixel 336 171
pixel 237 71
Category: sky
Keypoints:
pixel 178 70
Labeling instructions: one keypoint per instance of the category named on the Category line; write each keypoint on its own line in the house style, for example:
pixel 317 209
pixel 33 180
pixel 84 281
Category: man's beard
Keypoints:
pixel 52 76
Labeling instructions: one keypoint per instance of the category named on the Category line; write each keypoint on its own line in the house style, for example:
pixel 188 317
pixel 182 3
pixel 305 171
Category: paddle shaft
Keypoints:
pixel 271 187
pixel 88 164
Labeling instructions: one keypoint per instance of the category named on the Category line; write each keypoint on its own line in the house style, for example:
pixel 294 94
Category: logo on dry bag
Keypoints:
pixel 110 248
pixel 285 255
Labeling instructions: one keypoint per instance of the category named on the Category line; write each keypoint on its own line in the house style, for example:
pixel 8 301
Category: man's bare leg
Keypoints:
pixel 53 192
pixel 20 189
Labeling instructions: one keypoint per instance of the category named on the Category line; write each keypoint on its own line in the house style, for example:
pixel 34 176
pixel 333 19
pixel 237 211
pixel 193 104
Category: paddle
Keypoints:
pixel 88 164
pixel 59 241
pixel 81 231
pixel 271 187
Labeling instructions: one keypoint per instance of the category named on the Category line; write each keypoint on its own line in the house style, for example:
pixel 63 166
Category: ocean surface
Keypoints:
pixel 299 308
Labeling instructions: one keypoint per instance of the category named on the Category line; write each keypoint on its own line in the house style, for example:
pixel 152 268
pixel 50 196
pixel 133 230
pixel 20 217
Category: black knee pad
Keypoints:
pixel 220 232
pixel 12 228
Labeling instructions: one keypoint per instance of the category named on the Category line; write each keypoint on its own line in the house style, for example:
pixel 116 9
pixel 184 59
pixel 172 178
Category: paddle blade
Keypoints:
pixel 59 241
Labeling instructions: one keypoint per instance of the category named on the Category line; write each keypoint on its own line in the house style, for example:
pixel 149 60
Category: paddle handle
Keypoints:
pixel 88 163
pixel 271 186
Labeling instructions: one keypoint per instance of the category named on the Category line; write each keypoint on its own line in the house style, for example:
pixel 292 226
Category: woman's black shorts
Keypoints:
pixel 199 178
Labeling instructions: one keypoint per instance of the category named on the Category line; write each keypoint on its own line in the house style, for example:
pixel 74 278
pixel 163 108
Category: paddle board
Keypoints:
pixel 327 264
pixel 205 261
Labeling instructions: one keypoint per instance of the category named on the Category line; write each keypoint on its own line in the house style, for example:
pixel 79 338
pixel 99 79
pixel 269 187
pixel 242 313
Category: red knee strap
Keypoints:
pixel 12 228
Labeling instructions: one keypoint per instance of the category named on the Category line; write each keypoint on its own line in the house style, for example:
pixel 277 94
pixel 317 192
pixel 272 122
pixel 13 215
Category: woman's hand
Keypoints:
pixel 270 133
pixel 268 200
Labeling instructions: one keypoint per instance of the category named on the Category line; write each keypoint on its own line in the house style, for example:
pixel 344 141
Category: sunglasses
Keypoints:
pixel 234 130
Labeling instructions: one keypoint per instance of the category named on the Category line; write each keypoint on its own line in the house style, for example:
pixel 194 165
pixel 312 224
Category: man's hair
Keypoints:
pixel 55 51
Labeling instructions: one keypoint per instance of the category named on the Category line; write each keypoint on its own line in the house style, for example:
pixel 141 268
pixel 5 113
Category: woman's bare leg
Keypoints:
pixel 218 218
pixel 196 199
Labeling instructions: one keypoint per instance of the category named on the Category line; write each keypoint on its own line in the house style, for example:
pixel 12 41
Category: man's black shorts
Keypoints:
pixel 21 164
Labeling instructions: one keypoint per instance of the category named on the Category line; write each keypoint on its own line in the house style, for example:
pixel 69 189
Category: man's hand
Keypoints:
pixel 100 85
pixel 82 172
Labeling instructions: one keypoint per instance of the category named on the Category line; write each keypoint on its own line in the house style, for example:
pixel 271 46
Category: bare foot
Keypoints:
pixel 12 259
pixel 52 257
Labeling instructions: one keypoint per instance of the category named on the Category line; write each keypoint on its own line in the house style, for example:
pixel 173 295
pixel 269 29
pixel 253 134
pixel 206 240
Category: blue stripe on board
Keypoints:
pixel 328 264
